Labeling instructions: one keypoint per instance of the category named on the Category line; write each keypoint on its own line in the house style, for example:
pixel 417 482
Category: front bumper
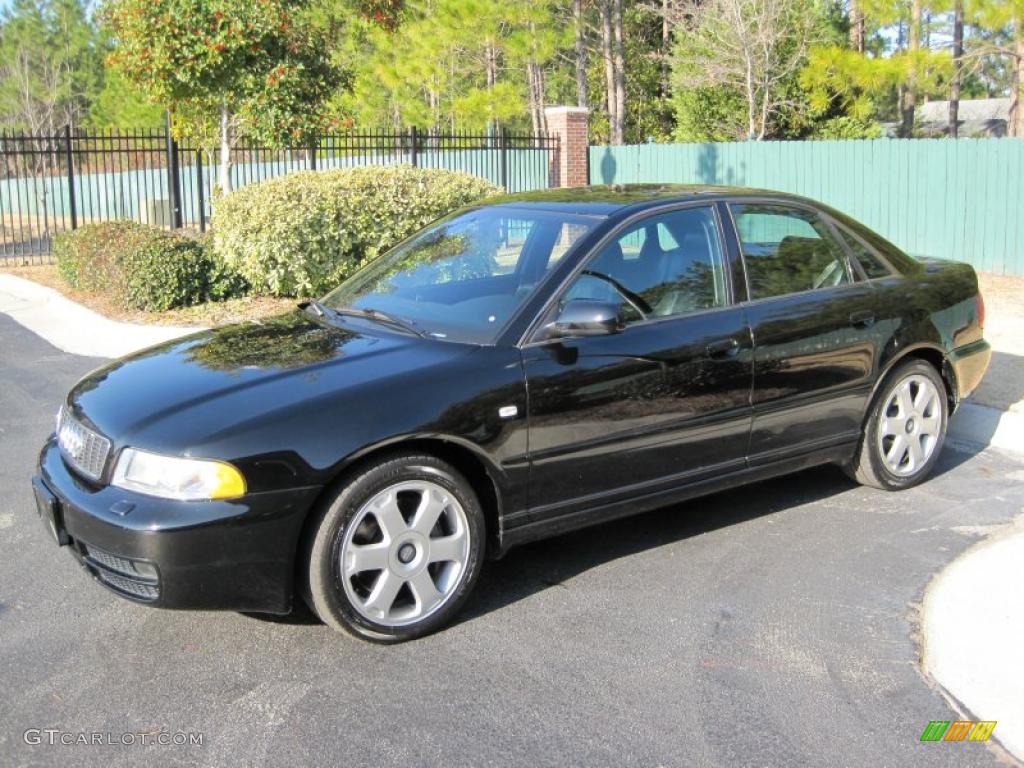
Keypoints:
pixel 213 555
pixel 969 364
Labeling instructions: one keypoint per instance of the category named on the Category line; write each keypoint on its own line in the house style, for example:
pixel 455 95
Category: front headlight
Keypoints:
pixel 172 477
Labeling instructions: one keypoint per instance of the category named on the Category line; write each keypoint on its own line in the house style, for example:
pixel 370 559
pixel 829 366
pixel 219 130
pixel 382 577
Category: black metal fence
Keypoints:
pixel 50 184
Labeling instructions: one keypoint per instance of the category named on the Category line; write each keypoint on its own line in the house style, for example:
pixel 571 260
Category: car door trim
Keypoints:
pixel 524 529
pixel 663 484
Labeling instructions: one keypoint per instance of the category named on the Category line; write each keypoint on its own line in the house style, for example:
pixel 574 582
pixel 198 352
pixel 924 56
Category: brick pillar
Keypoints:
pixel 568 165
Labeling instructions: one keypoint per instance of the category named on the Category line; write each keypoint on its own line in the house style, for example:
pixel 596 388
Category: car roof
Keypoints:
pixel 608 200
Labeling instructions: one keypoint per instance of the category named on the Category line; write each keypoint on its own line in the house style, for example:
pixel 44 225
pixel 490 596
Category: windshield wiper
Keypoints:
pixel 377 315
pixel 318 309
pixel 380 317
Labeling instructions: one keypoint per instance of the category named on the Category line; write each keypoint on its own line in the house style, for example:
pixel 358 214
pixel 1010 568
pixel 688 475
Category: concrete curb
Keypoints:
pixel 983 425
pixel 73 328
pixel 972 625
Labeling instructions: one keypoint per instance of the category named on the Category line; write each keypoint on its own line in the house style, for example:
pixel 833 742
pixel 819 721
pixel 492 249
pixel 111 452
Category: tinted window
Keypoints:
pixel 901 262
pixel 869 262
pixel 463 278
pixel 666 265
pixel 787 250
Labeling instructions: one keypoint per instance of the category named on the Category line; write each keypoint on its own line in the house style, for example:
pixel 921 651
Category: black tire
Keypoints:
pixel 324 589
pixel 868 466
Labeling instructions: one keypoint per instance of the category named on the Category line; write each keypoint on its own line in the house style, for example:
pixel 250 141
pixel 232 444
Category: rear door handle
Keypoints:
pixel 863 319
pixel 723 348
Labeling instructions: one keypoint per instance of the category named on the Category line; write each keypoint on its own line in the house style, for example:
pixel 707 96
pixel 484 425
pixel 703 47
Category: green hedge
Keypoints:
pixel 301 234
pixel 142 267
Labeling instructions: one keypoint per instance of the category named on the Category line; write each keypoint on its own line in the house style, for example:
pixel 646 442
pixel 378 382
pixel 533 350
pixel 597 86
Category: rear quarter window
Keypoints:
pixel 901 263
pixel 871 263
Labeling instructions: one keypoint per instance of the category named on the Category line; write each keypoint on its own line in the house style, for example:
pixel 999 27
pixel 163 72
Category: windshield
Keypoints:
pixel 464 277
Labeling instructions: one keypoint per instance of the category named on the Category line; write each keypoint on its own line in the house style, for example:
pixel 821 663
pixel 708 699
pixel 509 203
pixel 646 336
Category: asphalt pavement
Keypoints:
pixel 773 625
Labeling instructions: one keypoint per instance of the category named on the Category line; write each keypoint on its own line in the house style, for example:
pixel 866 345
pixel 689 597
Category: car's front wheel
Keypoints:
pixel 905 429
pixel 397 550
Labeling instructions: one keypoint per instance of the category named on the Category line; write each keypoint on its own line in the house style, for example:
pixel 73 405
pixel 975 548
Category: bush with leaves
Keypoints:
pixel 848 127
pixel 142 267
pixel 301 234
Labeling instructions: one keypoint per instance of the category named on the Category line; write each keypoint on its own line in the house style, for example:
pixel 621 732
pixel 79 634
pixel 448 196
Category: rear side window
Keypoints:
pixel 787 250
pixel 872 265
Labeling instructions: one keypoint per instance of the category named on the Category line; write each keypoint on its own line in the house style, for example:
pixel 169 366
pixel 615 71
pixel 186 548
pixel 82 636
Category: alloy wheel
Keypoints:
pixel 404 553
pixel 910 425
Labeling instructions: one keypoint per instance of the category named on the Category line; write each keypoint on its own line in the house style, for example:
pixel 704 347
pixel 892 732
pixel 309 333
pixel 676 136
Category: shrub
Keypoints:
pixel 222 280
pixel 848 127
pixel 301 234
pixel 163 271
pixel 83 256
pixel 142 267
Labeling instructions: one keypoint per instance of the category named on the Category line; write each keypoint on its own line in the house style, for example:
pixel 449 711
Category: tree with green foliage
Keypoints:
pixel 884 79
pixel 452 64
pixel 120 104
pixel 261 67
pixel 749 52
pixel 1003 21
pixel 50 65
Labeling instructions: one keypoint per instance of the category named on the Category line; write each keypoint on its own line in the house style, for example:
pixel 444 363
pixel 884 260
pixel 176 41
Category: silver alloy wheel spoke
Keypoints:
pixel 897 451
pixel 431 506
pixel 389 517
pixel 396 572
pixel 448 549
pixel 910 425
pixel 366 557
pixel 425 591
pixel 905 401
pixel 384 593
pixel 916 452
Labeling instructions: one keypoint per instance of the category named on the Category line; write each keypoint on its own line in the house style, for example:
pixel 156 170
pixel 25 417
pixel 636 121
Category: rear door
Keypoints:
pixel 664 402
pixel 816 341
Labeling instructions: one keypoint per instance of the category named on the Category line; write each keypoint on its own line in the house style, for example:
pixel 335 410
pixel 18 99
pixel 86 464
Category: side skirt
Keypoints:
pixel 601 513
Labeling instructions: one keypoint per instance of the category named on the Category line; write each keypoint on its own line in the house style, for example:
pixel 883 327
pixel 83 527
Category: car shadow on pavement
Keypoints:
pixel 300 615
pixel 1003 384
pixel 553 562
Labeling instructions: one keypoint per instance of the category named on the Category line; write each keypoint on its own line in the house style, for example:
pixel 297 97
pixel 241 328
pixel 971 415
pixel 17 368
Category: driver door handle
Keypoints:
pixel 723 348
pixel 863 319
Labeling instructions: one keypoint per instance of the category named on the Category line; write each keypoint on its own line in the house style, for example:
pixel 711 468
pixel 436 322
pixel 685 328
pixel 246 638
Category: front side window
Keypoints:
pixel 787 250
pixel 666 265
pixel 463 278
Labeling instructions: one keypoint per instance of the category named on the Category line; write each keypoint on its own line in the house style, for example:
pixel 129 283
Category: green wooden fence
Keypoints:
pixel 960 199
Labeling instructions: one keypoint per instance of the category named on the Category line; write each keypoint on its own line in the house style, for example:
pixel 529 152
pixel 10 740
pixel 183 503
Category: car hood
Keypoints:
pixel 193 390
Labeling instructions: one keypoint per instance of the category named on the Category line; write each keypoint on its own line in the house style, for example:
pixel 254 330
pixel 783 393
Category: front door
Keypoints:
pixel 665 401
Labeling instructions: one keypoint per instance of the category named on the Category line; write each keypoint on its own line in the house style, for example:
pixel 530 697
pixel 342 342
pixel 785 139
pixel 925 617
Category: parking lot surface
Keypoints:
pixel 773 625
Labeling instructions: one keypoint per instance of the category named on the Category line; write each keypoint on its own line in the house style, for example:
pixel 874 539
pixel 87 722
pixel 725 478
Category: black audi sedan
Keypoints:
pixel 520 368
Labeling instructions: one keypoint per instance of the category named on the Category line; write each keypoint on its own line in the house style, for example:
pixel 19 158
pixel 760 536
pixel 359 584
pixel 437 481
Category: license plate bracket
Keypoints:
pixel 48 507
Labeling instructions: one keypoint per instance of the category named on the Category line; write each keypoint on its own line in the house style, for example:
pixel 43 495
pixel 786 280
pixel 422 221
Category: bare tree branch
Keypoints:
pixel 750 46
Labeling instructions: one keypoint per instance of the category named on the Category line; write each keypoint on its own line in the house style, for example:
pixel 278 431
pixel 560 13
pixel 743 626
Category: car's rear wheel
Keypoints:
pixel 397 550
pixel 905 429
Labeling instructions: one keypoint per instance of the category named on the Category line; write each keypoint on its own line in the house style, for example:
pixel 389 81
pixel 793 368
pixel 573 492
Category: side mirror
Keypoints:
pixel 585 317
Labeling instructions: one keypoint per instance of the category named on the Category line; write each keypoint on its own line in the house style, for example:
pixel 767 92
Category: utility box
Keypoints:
pixel 156 211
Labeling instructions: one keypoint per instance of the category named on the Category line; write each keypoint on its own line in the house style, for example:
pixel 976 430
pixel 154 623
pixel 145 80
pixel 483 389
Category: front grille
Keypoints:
pixel 133 578
pixel 85 450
